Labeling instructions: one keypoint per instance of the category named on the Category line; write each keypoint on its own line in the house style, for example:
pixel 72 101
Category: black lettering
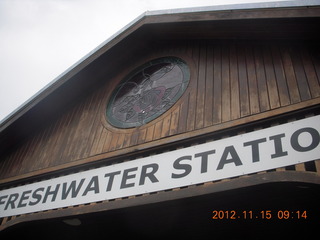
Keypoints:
pixel 12 198
pixel 154 168
pixel 92 186
pixel 111 177
pixel 314 135
pixel 23 197
pixel 255 148
pixel 72 188
pixel 37 196
pixel 278 146
pixel 126 176
pixel 234 157
pixel 53 193
pixel 179 166
pixel 204 159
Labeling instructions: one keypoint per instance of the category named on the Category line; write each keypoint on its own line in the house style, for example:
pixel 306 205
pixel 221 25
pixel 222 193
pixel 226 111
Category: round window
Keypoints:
pixel 148 92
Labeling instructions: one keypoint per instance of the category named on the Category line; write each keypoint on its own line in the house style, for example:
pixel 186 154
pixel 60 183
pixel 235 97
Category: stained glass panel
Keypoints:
pixel 148 92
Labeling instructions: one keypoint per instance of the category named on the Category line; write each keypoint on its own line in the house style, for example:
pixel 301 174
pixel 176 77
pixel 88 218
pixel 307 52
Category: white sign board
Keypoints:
pixel 265 149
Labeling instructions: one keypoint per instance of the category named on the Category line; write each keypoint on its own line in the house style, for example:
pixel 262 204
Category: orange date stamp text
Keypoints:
pixel 260 214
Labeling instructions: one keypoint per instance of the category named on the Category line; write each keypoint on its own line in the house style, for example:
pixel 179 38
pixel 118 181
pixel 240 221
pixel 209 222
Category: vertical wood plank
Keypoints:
pixel 157 130
pixel 217 85
pixel 303 85
pixel 208 112
pixel 261 80
pixel 66 134
pixel 113 141
pixel 4 165
pixel 310 72
pixel 120 141
pixel 300 167
pixel 83 128
pixel 234 83
pixel 95 123
pixel 317 163
pixel 174 121
pixel 95 146
pixel 166 126
pixel 11 169
pixel 252 81
pixel 280 77
pixel 226 88
pixel 243 83
pixel 192 102
pixel 134 138
pixel 70 140
pixel 28 157
pixel 35 165
pixel 314 54
pixel 61 133
pixel 184 117
pixel 105 141
pixel 47 154
pixel 150 131
pixel 271 79
pixel 201 86
pixel 19 159
pixel 142 136
pixel 290 76
pixel 126 141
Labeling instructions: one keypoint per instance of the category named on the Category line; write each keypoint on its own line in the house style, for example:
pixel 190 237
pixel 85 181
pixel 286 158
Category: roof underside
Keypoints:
pixel 261 21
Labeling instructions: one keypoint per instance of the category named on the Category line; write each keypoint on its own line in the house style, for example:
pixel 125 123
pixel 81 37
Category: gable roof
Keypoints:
pixel 229 21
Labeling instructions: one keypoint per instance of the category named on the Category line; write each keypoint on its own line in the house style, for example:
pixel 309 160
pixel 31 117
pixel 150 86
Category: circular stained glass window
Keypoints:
pixel 148 92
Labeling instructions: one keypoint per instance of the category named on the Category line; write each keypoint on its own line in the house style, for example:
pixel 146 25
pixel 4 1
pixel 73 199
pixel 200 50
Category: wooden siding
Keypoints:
pixel 229 81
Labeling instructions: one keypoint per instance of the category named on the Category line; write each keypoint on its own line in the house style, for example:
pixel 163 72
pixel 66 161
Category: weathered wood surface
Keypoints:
pixel 229 81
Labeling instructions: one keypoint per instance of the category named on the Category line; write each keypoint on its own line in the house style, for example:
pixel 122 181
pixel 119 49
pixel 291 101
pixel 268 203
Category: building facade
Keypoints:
pixel 185 123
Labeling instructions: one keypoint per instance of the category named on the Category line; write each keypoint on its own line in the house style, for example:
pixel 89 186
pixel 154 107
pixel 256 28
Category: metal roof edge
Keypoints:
pixel 239 6
pixel 65 75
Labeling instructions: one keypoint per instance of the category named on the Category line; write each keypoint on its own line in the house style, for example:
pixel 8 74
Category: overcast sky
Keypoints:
pixel 40 39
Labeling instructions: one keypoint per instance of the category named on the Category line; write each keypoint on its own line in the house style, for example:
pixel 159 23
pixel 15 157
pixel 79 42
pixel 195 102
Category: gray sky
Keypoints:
pixel 40 39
